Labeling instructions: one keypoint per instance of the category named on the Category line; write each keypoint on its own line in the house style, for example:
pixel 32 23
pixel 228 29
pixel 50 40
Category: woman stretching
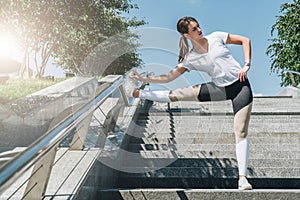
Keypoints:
pixel 229 81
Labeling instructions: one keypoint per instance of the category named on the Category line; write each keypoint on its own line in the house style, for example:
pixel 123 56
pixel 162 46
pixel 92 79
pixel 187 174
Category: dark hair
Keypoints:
pixel 183 24
pixel 183 27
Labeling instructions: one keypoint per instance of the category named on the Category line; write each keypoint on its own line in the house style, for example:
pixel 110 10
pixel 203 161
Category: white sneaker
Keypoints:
pixel 130 84
pixel 244 184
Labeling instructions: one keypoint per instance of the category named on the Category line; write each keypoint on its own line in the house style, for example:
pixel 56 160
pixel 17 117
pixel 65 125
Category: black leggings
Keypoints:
pixel 239 93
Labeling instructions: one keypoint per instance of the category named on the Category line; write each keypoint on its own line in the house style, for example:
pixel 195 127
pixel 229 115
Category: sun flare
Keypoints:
pixel 7 44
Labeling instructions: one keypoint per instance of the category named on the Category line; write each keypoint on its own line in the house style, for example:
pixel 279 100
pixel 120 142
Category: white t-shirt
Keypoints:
pixel 218 63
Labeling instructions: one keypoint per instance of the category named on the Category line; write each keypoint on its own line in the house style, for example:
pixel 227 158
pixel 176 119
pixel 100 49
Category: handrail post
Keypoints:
pixel 81 133
pixel 37 184
pixel 123 93
pixel 83 127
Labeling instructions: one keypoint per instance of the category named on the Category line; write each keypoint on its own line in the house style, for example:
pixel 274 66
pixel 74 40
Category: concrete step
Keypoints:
pixel 283 126
pixel 215 118
pixel 190 110
pixel 220 111
pixel 218 128
pixel 208 162
pixel 219 154
pixel 136 163
pixel 212 172
pixel 200 121
pixel 210 129
pixel 191 134
pixel 184 194
pixel 139 129
pixel 255 148
pixel 276 104
pixel 206 183
pixel 212 139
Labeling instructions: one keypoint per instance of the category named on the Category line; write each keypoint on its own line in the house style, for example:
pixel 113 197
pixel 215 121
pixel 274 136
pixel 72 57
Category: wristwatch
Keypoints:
pixel 247 64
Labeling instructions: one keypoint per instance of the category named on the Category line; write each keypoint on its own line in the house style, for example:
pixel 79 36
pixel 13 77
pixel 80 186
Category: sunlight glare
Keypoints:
pixel 7 44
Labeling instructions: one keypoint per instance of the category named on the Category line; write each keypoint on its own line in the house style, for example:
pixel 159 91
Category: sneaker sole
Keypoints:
pixel 247 188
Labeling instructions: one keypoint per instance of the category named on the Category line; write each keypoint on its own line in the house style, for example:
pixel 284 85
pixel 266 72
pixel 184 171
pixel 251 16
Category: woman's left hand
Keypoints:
pixel 242 75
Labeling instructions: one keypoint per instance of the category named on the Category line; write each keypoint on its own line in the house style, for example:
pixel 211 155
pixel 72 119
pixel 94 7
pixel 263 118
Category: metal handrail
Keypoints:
pixel 14 168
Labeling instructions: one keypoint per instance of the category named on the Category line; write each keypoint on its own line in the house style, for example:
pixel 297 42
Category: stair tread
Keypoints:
pixel 163 183
pixel 213 147
pixel 202 190
pixel 204 162
pixel 210 172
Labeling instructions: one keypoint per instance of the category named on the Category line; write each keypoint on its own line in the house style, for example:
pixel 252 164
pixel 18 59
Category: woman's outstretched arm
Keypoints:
pixel 164 78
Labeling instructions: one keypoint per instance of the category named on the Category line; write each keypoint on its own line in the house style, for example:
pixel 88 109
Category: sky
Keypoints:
pixel 253 19
pixel 159 38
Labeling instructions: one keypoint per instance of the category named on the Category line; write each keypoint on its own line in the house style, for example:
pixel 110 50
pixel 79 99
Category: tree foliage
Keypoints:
pixel 285 48
pixel 70 31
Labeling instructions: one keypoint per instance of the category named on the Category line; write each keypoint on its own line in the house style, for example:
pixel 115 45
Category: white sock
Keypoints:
pixel 158 96
pixel 242 155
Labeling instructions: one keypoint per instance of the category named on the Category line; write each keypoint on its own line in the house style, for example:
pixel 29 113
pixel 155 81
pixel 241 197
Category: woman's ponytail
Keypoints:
pixel 184 48
pixel 182 28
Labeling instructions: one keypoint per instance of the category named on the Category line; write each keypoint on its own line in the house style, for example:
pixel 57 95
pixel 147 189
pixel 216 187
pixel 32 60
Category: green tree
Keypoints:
pixel 69 31
pixel 94 37
pixel 35 23
pixel 285 49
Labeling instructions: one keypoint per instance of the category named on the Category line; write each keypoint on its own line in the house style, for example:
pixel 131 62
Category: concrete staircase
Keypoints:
pixel 186 150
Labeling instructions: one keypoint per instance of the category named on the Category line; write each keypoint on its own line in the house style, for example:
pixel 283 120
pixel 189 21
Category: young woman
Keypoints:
pixel 229 81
